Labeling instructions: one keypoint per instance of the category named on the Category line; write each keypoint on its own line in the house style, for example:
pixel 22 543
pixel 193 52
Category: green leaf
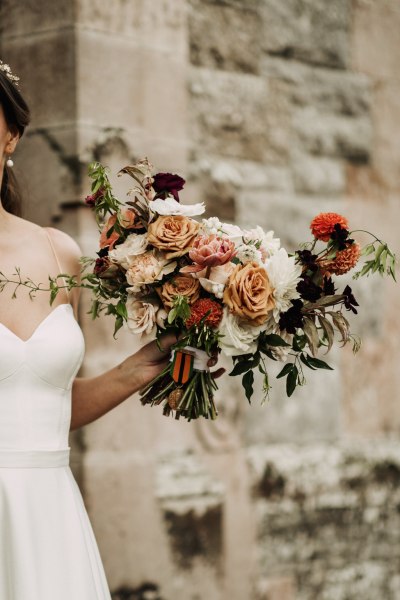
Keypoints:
pixel 318 364
pixel 94 311
pixel 273 339
pixel 121 310
pixel 268 352
pixel 241 367
pixel 171 315
pixel 299 342
pixel 305 361
pixel 291 381
pixel 118 324
pixel 368 249
pixel 96 185
pixel 247 382
pixel 286 369
pixel 111 309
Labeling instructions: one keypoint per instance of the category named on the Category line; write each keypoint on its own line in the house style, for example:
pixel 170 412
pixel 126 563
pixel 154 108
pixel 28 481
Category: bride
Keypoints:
pixel 47 546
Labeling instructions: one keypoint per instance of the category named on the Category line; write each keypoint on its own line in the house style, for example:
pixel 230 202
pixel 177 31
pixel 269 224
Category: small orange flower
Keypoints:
pixel 344 261
pixel 200 308
pixel 106 238
pixel 324 224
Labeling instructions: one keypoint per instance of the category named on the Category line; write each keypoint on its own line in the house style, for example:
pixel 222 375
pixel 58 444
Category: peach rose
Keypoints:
pixel 174 234
pixel 181 285
pixel 249 294
pixel 146 269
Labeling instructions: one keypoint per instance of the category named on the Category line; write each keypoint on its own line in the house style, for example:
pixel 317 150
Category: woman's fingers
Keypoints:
pixel 218 373
pixel 166 341
pixel 212 361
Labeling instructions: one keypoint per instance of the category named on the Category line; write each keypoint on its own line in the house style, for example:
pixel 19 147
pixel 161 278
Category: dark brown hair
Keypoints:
pixel 17 116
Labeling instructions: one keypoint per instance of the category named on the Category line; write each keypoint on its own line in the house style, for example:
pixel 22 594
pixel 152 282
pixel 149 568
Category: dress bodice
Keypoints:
pixel 36 377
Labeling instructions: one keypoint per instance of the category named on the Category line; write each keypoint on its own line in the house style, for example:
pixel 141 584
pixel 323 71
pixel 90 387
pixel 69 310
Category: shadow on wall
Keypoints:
pixel 147 591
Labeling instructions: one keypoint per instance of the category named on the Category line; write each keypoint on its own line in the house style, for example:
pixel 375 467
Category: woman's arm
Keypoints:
pixel 92 397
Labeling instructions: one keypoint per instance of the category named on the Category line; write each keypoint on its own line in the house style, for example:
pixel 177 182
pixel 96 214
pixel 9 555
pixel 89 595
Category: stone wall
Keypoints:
pixel 273 111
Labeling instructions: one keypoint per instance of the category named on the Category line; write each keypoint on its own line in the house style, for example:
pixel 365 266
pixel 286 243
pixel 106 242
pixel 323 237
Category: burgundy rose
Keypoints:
pixel 101 265
pixel 93 198
pixel 104 269
pixel 167 184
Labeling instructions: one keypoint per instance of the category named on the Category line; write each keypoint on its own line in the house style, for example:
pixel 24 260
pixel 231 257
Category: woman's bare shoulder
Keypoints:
pixel 67 249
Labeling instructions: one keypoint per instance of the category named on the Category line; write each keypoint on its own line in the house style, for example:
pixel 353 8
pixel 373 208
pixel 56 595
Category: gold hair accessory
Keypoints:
pixel 8 73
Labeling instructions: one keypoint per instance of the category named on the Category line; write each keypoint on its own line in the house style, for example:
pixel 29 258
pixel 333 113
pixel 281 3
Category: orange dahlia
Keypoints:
pixel 323 225
pixel 200 308
pixel 344 260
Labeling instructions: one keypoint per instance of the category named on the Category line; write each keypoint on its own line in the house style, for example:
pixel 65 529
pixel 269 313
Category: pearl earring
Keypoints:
pixel 10 162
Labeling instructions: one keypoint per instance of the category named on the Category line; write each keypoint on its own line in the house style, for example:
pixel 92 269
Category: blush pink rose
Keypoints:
pixel 209 251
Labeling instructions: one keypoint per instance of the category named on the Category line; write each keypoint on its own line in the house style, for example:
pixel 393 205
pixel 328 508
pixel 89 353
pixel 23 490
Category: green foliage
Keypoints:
pixel 180 311
pixel 383 260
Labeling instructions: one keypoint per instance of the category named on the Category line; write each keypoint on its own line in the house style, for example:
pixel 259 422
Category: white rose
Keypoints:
pixel 125 253
pixel 141 315
pixel 216 281
pixel 248 253
pixel 232 232
pixel 238 336
pixel 170 206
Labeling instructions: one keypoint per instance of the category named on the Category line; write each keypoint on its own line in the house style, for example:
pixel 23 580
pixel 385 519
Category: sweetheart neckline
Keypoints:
pixel 37 328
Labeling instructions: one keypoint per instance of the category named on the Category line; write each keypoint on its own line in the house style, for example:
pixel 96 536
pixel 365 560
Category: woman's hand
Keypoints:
pixel 150 360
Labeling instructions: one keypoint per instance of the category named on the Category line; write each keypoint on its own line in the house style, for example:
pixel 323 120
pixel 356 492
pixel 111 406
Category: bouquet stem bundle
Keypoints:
pixel 191 401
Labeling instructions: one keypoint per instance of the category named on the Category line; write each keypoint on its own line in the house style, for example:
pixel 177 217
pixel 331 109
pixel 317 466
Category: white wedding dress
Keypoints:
pixel 47 547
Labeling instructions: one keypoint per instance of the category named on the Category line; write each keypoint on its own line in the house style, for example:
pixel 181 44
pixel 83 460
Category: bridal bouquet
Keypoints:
pixel 219 288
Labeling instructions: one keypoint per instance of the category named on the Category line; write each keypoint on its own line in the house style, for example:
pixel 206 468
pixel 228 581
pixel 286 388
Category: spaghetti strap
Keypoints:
pixel 58 262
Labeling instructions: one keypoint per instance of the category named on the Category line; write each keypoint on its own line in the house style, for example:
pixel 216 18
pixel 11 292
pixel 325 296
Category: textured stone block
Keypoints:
pixel 276 588
pixel 328 527
pixel 225 36
pixel 228 114
pixel 312 31
pixel 33 18
pixel 152 109
pixel 331 91
pixel 314 175
pixel 331 135
pixel 164 21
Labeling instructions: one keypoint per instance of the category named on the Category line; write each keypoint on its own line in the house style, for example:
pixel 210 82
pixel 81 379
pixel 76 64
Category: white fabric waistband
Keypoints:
pixel 34 458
